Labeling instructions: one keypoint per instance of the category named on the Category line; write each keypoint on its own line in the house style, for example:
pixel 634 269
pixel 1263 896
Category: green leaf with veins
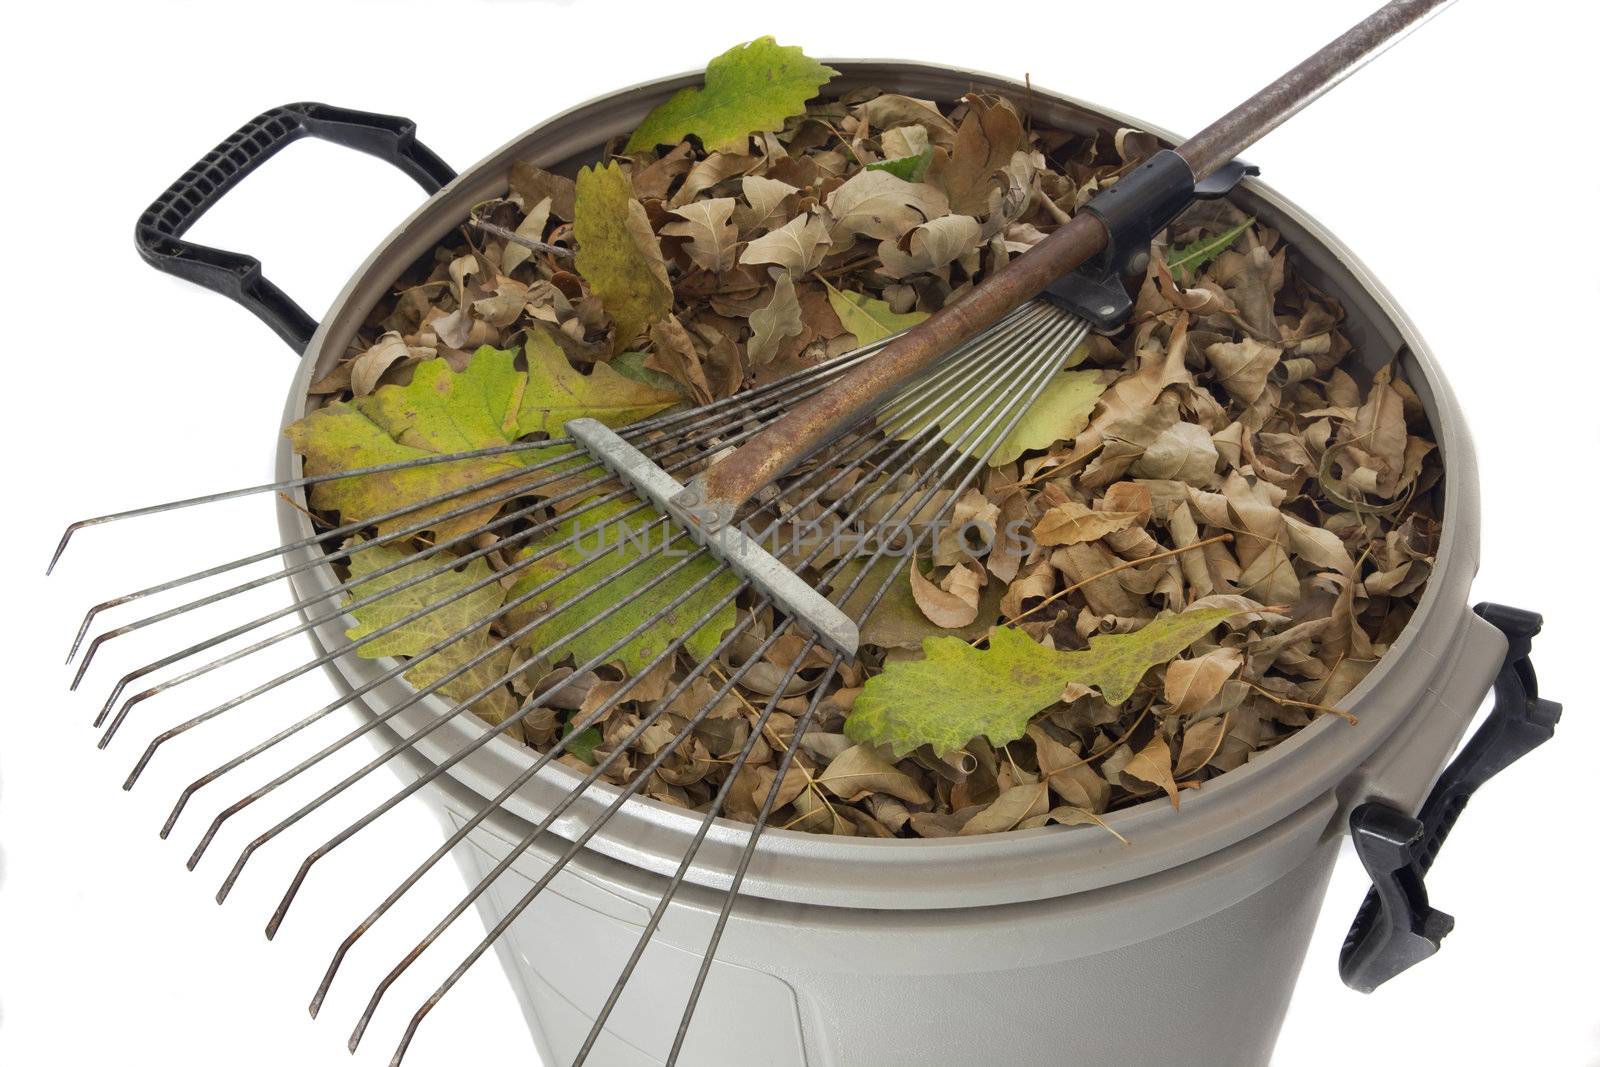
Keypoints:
pixel 470 616
pixel 613 542
pixel 618 253
pixel 1186 261
pixel 957 692
pixel 440 411
pixel 750 88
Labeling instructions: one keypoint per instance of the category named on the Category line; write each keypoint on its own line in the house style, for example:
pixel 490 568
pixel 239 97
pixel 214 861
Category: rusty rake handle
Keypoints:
pixel 734 479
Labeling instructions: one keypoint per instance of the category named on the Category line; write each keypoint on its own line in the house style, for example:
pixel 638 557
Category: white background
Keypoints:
pixel 1461 168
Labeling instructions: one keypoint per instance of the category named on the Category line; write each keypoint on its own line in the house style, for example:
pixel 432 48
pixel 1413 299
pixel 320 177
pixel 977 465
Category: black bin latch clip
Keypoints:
pixel 1139 205
pixel 1395 927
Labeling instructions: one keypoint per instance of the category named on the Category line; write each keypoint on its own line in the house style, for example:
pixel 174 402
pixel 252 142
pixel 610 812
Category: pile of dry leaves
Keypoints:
pixel 1221 461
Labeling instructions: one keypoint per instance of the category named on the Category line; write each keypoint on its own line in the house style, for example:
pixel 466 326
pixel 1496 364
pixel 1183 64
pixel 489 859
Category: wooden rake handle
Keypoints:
pixel 735 478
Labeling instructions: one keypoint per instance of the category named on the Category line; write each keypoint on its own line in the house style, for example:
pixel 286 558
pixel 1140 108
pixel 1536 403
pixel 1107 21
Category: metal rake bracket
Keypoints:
pixel 725 541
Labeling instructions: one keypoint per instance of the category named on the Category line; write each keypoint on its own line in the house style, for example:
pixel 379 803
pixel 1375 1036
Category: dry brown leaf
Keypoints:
pixel 798 246
pixel 1153 764
pixel 780 318
pixel 1191 684
pixel 713 240
pixel 1071 523
pixel 860 770
pixel 946 608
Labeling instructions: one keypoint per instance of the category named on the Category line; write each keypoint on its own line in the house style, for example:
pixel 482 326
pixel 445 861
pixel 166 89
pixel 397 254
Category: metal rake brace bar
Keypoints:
pixel 730 544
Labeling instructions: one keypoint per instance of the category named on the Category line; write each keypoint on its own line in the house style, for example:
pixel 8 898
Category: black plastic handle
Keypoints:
pixel 1395 927
pixel 236 276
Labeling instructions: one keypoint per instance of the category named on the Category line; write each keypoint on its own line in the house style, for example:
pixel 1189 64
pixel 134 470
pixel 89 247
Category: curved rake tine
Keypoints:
pixel 505 643
pixel 784 763
pixel 1034 381
pixel 345 529
pixel 345 553
pixel 495 731
pixel 469 508
pixel 309 624
pixel 712 812
pixel 292 483
pixel 638 781
pixel 393 672
pixel 659 422
pixel 661 705
pixel 777 392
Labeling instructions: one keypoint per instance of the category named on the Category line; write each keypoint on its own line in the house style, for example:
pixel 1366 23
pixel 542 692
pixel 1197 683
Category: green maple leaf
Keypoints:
pixel 907 168
pixel 868 318
pixel 469 615
pixel 599 529
pixel 750 88
pixel 957 692
pixel 1189 258
pixel 440 411
pixel 618 254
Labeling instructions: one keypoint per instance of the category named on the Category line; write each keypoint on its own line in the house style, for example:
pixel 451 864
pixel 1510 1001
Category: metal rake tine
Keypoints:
pixel 393 672
pixel 784 763
pixel 676 446
pixel 341 531
pixel 494 731
pixel 700 436
pixel 560 746
pixel 828 369
pixel 451 562
pixel 693 850
pixel 637 783
pixel 292 483
pixel 505 643
pixel 996 360
pixel 329 656
pixel 929 430
pixel 333 557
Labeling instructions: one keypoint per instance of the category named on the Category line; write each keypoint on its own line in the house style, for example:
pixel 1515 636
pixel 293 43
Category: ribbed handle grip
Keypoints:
pixel 160 229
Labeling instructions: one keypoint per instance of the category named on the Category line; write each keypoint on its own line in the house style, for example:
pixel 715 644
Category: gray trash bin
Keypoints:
pixel 1045 946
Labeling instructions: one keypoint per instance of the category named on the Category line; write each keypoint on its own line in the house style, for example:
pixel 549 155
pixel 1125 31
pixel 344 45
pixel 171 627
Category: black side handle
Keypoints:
pixel 1395 927
pixel 236 276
